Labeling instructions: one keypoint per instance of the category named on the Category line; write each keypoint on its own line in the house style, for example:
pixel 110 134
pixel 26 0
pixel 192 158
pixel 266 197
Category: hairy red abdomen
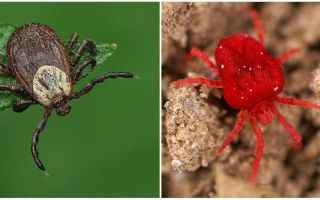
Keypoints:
pixel 249 73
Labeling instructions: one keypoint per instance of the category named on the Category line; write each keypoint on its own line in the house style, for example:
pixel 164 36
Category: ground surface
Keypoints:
pixel 197 119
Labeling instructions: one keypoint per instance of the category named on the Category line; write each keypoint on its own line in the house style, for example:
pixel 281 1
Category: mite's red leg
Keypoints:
pixel 259 151
pixel 258 25
pixel 195 52
pixel 294 134
pixel 286 55
pixel 235 131
pixel 201 81
pixel 297 102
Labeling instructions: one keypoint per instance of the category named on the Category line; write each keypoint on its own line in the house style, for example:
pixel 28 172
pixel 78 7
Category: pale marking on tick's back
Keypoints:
pixel 49 84
pixel 39 39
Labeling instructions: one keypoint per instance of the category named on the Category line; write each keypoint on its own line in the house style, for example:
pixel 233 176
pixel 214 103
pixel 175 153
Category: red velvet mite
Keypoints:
pixel 251 80
pixel 40 62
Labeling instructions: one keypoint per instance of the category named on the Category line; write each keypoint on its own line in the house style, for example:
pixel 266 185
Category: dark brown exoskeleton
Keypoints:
pixel 40 62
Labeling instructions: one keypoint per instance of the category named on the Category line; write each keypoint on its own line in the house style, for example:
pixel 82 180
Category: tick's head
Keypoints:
pixel 62 107
pixel 63 110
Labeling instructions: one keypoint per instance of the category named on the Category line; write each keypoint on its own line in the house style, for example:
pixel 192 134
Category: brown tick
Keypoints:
pixel 251 80
pixel 39 61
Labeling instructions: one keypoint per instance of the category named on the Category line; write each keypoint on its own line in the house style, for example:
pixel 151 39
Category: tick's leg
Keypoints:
pixel 22 105
pixel 297 102
pixel 201 81
pixel 195 52
pixel 259 151
pixel 294 134
pixel 78 71
pixel 35 138
pixel 286 55
pixel 235 131
pixel 86 44
pixel 258 25
pixel 73 40
pixel 12 89
pixel 100 79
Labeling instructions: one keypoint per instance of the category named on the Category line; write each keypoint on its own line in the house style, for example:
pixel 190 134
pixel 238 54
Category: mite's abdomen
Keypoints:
pixel 249 73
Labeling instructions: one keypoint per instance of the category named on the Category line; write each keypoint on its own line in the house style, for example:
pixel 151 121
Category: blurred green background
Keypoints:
pixel 108 146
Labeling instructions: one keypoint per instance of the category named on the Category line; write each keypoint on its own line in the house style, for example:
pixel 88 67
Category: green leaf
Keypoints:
pixel 7 99
pixel 104 51
pixel 5 32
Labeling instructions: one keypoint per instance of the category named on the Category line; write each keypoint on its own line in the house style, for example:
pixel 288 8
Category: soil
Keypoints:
pixel 196 119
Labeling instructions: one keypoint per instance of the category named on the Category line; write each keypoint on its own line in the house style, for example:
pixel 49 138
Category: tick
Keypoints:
pixel 40 62
pixel 251 80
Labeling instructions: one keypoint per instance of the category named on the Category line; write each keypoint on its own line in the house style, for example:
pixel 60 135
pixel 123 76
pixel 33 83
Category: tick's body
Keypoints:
pixel 251 80
pixel 40 62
